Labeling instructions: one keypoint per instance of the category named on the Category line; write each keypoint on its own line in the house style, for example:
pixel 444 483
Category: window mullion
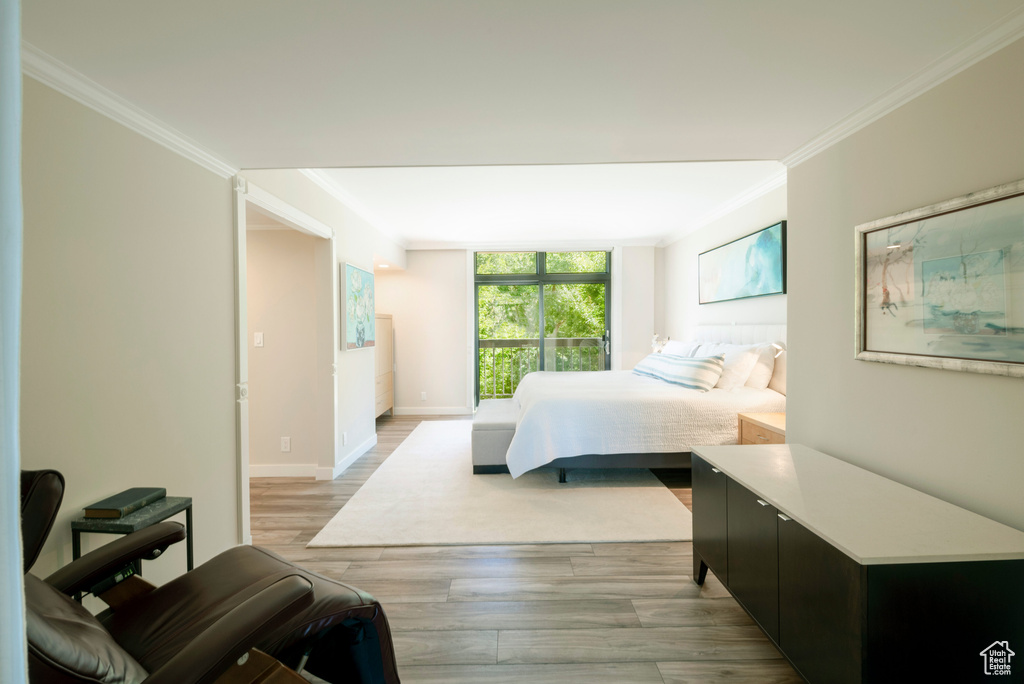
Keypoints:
pixel 540 324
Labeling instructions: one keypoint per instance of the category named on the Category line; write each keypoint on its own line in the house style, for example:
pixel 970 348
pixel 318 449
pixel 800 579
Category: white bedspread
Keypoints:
pixel 618 412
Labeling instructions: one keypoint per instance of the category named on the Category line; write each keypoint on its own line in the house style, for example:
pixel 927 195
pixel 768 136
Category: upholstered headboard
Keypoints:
pixel 740 334
pixel 751 334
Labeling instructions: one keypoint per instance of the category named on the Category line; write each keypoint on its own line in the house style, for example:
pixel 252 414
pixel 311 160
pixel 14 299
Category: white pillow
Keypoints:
pixel 711 348
pixel 739 362
pixel 778 382
pixel 680 348
pixel 761 374
pixel 699 374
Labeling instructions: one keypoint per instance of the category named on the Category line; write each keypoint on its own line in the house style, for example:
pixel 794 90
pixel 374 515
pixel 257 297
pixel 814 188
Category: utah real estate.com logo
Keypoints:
pixel 997 658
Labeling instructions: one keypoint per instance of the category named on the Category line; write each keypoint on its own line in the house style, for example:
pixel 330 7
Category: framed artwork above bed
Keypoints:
pixel 751 266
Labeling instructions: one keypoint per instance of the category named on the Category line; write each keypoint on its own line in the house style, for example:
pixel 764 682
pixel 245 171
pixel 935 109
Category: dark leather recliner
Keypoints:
pixel 194 628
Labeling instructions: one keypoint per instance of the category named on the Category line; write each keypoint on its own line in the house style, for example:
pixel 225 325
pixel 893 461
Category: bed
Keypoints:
pixel 619 418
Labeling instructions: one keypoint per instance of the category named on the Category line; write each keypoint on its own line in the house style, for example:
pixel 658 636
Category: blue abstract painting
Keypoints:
pixel 752 266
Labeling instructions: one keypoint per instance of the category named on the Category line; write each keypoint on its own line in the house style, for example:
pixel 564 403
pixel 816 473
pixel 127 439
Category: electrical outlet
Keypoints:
pixel 344 438
pixel 423 396
pixel 286 444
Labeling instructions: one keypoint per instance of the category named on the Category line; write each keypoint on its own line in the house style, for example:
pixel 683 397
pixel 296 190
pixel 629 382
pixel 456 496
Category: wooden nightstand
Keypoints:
pixel 762 428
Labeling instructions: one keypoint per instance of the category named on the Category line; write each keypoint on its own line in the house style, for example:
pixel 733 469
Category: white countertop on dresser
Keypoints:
pixel 872 519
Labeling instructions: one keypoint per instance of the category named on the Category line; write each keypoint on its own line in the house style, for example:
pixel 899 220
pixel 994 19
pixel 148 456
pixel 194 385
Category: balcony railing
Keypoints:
pixel 504 363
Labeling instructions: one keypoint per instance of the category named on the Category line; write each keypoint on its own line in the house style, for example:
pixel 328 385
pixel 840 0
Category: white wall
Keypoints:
pixel 282 304
pixel 429 304
pixel 660 293
pixel 958 436
pixel 128 323
pixel 356 242
pixel 635 322
pixel 678 270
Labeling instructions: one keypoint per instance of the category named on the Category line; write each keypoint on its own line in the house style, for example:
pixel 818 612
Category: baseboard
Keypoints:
pixel 282 470
pixel 490 469
pixel 342 465
pixel 433 411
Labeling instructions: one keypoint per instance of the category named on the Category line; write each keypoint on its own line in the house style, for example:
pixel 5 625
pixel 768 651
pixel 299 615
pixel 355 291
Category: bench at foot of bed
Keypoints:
pixel 493 427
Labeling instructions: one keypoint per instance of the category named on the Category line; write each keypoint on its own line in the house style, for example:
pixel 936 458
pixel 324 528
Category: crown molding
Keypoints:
pixel 773 182
pixel 328 185
pixel 65 80
pixel 987 42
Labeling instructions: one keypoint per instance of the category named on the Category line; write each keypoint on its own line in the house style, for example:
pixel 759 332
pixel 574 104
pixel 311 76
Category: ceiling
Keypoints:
pixel 585 206
pixel 522 82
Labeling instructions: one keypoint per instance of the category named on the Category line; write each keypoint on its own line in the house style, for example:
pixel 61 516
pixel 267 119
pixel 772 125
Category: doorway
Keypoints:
pixel 286 336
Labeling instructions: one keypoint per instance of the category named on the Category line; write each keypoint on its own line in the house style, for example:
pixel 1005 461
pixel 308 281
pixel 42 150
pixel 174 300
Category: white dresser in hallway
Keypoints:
pixel 385 362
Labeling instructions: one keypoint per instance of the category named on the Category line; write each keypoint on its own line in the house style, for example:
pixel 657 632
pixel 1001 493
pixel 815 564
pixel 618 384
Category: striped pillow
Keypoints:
pixel 697 373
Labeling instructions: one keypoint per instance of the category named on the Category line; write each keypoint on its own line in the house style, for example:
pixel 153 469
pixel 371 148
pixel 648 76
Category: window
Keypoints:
pixel 520 294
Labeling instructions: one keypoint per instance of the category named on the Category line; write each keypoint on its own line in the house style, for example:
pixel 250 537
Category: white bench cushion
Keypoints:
pixel 493 428
pixel 495 414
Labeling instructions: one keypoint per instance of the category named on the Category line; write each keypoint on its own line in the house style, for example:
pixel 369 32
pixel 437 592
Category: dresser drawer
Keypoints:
pixel 384 402
pixel 755 434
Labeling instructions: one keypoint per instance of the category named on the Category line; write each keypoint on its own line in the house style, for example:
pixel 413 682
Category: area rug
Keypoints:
pixel 425 493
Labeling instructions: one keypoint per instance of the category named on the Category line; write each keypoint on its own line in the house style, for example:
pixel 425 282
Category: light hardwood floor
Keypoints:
pixel 539 613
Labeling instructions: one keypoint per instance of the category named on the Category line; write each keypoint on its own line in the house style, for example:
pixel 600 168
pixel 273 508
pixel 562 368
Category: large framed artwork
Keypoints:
pixel 752 266
pixel 943 286
pixel 359 319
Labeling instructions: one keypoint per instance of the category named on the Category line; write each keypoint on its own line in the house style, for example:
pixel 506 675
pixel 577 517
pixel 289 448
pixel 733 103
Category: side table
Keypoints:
pixel 144 517
pixel 762 428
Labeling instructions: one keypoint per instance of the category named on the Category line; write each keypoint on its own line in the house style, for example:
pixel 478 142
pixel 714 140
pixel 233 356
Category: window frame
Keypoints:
pixel 540 278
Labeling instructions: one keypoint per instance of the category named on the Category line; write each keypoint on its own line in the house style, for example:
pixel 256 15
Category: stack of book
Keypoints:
pixel 128 501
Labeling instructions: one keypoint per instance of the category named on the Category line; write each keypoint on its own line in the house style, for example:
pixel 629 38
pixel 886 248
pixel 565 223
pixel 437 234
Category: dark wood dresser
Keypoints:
pixel 855 577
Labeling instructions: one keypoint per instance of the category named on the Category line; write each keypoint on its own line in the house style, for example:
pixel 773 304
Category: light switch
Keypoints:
pixel 257 339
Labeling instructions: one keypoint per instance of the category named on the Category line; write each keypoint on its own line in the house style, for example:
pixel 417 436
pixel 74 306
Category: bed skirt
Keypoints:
pixel 666 460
